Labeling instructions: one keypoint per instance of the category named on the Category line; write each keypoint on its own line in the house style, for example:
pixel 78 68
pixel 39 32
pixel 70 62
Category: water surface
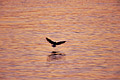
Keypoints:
pixel 91 29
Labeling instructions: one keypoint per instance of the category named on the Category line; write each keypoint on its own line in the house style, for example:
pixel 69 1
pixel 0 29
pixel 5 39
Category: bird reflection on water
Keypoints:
pixel 55 55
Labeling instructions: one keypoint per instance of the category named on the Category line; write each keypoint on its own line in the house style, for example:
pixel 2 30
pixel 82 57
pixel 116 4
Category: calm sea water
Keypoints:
pixel 91 29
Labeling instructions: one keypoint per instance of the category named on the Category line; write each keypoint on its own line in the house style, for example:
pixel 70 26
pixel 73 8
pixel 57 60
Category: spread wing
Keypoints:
pixel 61 42
pixel 50 41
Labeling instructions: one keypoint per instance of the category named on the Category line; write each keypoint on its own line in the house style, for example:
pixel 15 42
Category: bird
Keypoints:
pixel 54 43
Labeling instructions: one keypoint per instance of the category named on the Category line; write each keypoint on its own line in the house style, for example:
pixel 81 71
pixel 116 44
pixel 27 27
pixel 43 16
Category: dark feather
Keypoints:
pixel 50 41
pixel 54 43
pixel 61 42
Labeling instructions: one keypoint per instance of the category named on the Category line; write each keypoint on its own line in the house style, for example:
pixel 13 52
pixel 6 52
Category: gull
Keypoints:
pixel 55 43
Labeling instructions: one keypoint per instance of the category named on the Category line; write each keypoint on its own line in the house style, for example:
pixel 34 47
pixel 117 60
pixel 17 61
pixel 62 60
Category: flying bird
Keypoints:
pixel 55 43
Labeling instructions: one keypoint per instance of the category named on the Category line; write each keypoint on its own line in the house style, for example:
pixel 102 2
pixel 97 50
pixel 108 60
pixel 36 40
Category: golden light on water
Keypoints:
pixel 89 27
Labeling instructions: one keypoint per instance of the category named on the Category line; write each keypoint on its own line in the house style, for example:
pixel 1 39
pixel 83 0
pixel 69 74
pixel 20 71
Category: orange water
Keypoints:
pixel 90 27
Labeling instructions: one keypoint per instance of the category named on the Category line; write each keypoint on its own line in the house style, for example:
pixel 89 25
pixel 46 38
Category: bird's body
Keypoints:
pixel 55 43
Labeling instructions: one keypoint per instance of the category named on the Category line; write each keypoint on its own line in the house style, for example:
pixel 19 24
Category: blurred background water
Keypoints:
pixel 90 27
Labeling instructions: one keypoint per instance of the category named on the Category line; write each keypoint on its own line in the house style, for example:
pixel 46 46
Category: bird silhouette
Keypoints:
pixel 55 43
